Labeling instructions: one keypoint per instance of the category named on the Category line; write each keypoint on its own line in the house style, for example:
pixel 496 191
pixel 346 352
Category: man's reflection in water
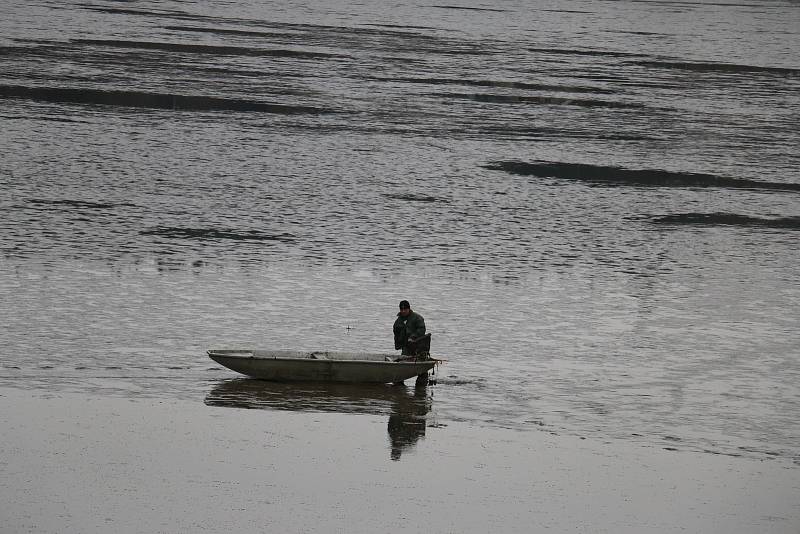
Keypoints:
pixel 407 421
pixel 407 407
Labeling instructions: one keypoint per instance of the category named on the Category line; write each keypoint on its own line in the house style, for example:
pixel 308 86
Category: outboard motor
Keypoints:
pixel 421 349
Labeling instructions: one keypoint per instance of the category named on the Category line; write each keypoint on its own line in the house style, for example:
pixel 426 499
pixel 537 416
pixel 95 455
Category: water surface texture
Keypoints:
pixel 594 204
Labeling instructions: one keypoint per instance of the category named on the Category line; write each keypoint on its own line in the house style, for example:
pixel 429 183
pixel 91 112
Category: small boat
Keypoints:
pixel 290 366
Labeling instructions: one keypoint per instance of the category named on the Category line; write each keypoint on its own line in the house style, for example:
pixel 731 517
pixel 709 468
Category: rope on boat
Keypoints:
pixel 416 359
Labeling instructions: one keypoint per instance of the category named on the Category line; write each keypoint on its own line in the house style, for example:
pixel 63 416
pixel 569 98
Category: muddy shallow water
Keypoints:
pixel 86 463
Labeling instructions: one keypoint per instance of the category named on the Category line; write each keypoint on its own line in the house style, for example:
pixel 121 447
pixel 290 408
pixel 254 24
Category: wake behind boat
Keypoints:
pixel 322 366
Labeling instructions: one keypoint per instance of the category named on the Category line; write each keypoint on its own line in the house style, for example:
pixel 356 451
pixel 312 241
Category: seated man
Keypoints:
pixel 408 328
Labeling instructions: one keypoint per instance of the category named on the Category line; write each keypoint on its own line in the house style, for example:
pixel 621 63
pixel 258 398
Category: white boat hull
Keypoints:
pixel 288 366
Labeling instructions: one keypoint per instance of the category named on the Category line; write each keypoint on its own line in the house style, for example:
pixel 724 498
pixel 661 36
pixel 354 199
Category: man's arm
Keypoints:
pixel 398 343
pixel 417 330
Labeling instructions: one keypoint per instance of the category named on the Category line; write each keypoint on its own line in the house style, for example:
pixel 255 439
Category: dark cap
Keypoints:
pixel 404 305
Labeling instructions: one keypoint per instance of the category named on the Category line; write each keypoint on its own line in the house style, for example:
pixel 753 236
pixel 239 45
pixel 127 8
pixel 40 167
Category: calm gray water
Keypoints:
pixel 595 207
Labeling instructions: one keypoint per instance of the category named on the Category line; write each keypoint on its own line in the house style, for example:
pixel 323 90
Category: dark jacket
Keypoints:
pixel 412 327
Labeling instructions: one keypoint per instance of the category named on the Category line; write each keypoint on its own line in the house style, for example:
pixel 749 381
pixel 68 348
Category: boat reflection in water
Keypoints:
pixel 407 407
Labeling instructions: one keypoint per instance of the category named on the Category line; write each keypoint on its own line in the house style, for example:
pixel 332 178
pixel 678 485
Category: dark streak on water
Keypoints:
pixel 500 84
pixel 138 99
pixel 617 176
pixel 413 198
pixel 727 219
pixel 207 49
pixel 544 100
pixel 82 204
pixel 229 31
pixel 463 8
pixel 216 233
pixel 720 67
pixel 590 53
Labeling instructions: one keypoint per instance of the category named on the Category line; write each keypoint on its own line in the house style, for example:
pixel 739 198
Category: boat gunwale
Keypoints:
pixel 250 355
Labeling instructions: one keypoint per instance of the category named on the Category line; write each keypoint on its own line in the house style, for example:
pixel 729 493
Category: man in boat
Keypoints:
pixel 408 328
